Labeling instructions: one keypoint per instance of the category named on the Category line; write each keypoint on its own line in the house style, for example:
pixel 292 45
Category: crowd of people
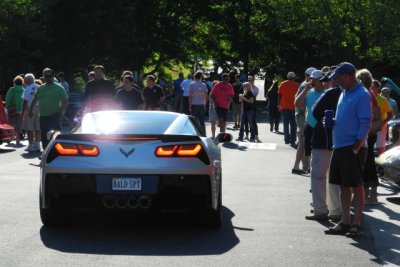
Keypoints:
pixel 37 105
pixel 338 115
pixel 335 119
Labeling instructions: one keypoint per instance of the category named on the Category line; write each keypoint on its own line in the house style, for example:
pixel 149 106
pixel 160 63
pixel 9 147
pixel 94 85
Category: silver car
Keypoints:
pixel 389 165
pixel 132 161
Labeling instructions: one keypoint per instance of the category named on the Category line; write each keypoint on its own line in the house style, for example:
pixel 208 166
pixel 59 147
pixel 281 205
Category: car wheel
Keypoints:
pixel 213 218
pixel 48 216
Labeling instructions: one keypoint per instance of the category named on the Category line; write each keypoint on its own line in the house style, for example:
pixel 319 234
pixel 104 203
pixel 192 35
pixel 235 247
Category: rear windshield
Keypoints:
pixel 117 122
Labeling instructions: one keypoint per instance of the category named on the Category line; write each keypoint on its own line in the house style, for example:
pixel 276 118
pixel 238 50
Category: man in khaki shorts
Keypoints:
pixel 32 125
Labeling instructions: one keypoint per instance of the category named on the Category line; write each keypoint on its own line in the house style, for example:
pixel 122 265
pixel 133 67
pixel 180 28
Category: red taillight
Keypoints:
pixel 86 150
pixel 166 151
pixel 191 150
pixel 65 149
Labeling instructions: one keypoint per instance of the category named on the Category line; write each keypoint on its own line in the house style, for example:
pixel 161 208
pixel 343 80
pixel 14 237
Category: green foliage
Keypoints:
pixel 167 36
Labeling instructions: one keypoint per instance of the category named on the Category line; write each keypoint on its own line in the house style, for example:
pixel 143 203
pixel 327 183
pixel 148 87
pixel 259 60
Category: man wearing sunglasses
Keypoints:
pixel 52 100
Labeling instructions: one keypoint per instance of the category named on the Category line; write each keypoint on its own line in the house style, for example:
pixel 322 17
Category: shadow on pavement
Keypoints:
pixel 234 146
pixel 381 230
pixel 162 234
pixel 31 155
pixel 7 150
pixel 394 200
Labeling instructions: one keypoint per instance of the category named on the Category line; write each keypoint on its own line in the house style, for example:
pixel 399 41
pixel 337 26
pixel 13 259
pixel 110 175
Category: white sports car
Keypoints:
pixel 389 163
pixel 132 161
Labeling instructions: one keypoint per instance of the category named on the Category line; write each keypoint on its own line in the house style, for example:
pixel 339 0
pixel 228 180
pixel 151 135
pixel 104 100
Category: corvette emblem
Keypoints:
pixel 126 154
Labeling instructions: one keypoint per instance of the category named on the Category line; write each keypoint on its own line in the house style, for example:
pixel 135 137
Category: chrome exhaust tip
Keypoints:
pixel 121 203
pixel 133 203
pixel 109 202
pixel 144 202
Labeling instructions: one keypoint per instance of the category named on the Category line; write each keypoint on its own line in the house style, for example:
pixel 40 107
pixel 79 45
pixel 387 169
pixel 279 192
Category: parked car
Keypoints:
pixel 130 161
pixel 7 132
pixel 388 164
pixel 393 130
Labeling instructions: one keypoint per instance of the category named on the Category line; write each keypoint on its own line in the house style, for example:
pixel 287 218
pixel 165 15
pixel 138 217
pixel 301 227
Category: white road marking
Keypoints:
pixel 260 146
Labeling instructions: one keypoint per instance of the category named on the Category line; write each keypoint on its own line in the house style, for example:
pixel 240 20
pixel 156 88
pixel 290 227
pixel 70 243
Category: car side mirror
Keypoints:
pixel 52 134
pixel 223 138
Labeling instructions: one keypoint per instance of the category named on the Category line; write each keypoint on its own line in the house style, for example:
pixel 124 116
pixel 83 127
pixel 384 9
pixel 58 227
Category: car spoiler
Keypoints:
pixel 128 137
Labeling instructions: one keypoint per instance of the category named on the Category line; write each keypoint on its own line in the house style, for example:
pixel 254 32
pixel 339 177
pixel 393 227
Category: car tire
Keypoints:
pixel 213 218
pixel 48 216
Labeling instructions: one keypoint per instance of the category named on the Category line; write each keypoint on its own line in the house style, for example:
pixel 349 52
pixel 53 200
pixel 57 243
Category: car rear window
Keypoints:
pixel 117 122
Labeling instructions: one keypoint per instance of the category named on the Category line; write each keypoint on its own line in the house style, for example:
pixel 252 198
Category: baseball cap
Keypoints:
pixel 344 67
pixel 317 74
pixel 326 78
pixel 310 70
pixel 385 89
pixel 291 75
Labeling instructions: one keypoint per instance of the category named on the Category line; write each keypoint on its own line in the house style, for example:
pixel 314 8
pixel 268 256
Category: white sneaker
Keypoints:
pixel 37 146
pixel 31 148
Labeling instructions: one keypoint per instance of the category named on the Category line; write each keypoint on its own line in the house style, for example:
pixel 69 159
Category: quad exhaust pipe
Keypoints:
pixel 142 202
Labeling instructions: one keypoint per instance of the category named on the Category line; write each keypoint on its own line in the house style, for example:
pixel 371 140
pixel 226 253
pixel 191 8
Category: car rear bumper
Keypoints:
pixel 93 192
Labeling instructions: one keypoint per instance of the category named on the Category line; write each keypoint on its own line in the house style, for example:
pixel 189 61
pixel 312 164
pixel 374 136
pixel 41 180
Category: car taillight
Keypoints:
pixel 66 149
pixel 166 151
pixel 191 150
pixel 86 150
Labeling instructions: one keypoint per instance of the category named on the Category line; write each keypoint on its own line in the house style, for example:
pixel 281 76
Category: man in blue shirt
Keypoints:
pixel 185 87
pixel 178 91
pixel 352 124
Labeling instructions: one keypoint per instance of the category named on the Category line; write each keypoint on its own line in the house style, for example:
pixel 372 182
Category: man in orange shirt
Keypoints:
pixel 286 94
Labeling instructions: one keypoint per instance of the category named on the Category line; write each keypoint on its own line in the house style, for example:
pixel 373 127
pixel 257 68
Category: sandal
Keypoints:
pixel 354 231
pixel 339 229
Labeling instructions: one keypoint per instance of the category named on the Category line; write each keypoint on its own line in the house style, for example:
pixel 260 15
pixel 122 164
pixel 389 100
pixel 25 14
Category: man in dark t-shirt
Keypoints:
pixel 99 93
pixel 247 99
pixel 152 94
pixel 236 105
pixel 128 97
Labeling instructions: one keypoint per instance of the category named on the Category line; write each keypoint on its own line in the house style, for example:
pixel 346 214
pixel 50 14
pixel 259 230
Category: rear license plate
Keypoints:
pixel 127 183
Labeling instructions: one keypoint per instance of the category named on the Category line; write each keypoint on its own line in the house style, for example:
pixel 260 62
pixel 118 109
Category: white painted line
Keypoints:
pixel 260 146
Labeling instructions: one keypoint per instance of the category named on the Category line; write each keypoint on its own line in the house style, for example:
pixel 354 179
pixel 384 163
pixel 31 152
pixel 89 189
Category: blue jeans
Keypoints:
pixel 247 117
pixel 289 120
pixel 48 123
pixel 199 112
pixel 274 118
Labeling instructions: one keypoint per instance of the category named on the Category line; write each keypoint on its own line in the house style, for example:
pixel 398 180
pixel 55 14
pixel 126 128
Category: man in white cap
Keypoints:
pixel 310 95
pixel 286 93
pixel 300 122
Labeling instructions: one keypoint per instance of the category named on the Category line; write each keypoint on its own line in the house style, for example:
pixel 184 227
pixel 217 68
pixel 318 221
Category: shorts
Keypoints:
pixel 213 116
pixel 307 136
pixel 381 138
pixel 15 122
pixel 300 122
pixel 32 124
pixel 346 168
pixel 222 113
pixel 236 109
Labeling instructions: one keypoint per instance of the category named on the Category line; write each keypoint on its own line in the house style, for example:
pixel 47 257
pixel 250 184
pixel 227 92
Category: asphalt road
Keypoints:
pixel 263 221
